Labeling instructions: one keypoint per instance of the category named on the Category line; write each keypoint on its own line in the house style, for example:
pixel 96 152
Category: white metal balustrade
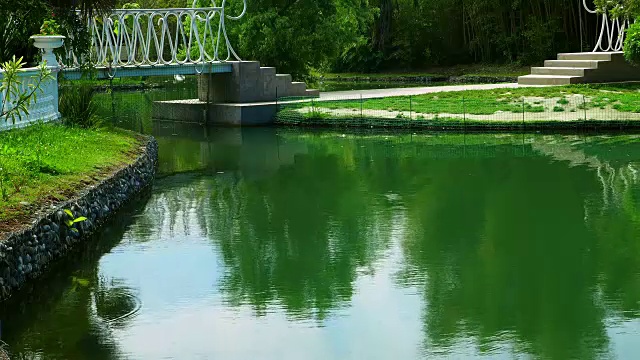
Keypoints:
pixel 153 37
pixel 611 33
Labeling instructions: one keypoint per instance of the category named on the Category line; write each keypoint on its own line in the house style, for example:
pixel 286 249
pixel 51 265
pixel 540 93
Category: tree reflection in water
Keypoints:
pixel 507 242
pixel 520 242
pixel 54 318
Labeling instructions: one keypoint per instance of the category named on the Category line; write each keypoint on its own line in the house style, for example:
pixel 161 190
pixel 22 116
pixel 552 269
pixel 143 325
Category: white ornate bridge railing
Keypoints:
pixel 172 36
pixel 611 33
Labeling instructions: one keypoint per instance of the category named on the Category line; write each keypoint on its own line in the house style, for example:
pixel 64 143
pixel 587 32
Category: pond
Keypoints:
pixel 289 244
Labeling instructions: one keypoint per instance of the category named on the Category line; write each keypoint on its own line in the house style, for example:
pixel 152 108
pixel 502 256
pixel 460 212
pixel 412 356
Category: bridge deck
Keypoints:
pixel 153 70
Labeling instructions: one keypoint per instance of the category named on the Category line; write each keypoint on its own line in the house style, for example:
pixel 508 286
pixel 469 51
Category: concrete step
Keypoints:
pixel 251 66
pixel 268 71
pixel 283 84
pixel 298 89
pixel 568 71
pixel 608 56
pixel 549 80
pixel 584 64
pixel 268 79
pixel 312 93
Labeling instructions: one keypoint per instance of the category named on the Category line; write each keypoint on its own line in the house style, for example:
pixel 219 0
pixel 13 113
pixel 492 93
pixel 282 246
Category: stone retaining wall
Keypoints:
pixel 25 255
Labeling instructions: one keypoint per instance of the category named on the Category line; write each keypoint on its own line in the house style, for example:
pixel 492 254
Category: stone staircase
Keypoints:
pixel 250 83
pixel 576 68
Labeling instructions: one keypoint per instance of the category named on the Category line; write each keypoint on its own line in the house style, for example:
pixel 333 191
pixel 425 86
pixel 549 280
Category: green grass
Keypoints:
pixel 459 124
pixel 621 97
pixel 48 163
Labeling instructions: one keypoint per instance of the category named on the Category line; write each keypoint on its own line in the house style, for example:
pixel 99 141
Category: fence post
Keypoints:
pixel 410 107
pixel 523 102
pixel 113 101
pixel 361 117
pixel 464 113
pixel 584 107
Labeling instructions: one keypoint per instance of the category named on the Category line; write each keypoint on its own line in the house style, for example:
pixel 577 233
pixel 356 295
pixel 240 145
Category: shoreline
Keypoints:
pixel 468 125
pixel 27 254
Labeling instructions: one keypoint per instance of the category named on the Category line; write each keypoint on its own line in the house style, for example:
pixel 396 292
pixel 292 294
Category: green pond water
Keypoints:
pixel 289 244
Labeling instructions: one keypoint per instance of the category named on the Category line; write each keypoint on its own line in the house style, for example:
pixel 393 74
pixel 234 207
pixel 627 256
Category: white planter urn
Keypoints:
pixel 47 43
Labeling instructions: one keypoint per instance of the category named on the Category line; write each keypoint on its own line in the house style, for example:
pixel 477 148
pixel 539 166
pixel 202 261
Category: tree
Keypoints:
pixel 619 8
pixel 19 19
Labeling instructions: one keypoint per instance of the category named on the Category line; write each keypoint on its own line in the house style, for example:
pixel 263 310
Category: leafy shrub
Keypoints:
pixel 19 19
pixel 360 57
pixel 50 27
pixel 78 107
pixel 632 44
pixel 17 99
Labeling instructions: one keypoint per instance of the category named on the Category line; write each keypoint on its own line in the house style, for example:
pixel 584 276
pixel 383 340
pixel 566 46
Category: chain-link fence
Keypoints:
pixel 456 112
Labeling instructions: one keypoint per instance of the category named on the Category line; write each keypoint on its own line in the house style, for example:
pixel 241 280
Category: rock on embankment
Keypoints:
pixel 25 255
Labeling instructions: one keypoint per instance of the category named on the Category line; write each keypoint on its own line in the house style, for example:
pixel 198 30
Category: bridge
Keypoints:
pixel 148 42
pixel 170 41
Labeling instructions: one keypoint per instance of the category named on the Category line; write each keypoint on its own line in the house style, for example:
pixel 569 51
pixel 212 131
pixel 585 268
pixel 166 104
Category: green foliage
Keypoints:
pixel 4 182
pixel 18 98
pixel 297 37
pixel 424 33
pixel 632 44
pixel 359 56
pixel 128 19
pixel 305 37
pixel 19 19
pixel 73 220
pixel 50 27
pixel 618 8
pixel 77 106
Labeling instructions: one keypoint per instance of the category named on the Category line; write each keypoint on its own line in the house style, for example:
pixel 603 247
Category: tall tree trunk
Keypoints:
pixel 382 36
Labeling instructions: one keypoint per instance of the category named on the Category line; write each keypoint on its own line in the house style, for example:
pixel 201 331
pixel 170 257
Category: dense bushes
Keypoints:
pixel 632 44
pixel 19 19
pixel 305 36
pixel 77 106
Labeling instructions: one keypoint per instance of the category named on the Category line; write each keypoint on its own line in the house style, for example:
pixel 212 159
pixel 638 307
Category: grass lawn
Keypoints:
pixel 614 98
pixel 44 164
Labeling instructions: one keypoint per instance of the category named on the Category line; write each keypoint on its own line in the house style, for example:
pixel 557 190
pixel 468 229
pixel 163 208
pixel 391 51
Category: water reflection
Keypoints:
pixel 367 245
pixel 55 318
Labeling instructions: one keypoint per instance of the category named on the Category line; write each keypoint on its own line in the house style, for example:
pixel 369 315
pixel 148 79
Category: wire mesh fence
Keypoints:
pixel 134 102
pixel 453 111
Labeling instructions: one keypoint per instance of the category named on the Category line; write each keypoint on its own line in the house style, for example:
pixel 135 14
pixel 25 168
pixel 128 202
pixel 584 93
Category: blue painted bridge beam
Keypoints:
pixel 152 70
